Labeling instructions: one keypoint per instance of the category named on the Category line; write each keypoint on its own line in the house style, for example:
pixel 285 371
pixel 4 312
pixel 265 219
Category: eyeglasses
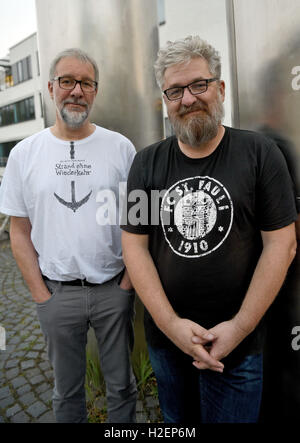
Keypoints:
pixel 69 83
pixel 195 88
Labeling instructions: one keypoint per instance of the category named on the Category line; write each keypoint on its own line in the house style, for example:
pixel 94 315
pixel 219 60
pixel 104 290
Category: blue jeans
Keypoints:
pixel 189 395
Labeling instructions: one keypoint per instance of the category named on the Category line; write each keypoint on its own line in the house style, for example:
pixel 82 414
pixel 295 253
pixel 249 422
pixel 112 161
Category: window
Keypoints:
pixel 38 63
pixel 29 68
pixel 8 78
pixel 22 71
pixel 41 105
pixel 17 112
pixel 5 149
pixel 7 115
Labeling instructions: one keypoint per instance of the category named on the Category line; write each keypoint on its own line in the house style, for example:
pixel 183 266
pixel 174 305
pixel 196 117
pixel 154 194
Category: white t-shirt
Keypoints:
pixel 66 189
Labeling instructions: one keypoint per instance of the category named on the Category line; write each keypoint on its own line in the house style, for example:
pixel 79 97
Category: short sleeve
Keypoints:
pixel 135 212
pixel 129 154
pixel 11 188
pixel 275 195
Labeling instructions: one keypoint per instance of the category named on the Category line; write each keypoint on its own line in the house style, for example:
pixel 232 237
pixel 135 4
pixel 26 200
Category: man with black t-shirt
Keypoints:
pixel 211 266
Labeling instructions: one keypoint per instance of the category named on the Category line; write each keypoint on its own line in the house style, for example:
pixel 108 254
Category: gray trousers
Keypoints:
pixel 65 319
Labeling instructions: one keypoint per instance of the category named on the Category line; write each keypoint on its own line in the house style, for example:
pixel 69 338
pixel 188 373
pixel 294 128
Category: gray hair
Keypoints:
pixel 76 53
pixel 183 50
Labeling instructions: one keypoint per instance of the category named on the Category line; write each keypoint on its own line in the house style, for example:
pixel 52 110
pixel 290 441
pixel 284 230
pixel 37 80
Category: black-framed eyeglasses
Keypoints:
pixel 195 88
pixel 69 83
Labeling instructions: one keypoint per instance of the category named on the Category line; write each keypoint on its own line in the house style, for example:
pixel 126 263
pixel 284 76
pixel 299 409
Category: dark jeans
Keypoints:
pixel 189 395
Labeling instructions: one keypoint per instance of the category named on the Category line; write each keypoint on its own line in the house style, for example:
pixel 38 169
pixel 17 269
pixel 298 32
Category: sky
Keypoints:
pixel 17 21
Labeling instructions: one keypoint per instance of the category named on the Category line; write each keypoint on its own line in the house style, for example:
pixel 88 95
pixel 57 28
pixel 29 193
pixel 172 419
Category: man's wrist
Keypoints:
pixel 166 324
pixel 244 323
pixel 40 294
pixel 40 298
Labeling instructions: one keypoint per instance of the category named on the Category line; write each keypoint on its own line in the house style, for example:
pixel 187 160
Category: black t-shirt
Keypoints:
pixel 204 229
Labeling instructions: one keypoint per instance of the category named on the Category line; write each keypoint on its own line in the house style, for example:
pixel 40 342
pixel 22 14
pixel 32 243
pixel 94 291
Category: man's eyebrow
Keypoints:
pixel 178 85
pixel 72 76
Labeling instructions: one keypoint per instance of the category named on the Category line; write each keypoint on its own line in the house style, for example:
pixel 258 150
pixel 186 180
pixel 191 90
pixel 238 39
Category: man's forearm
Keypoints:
pixel 277 255
pixel 147 284
pixel 26 258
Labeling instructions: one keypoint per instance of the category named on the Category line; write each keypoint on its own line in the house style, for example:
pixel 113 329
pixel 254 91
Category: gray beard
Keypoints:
pixel 198 129
pixel 74 119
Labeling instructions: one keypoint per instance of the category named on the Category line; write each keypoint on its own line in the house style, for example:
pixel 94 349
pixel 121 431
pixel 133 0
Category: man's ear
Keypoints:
pixel 50 89
pixel 222 89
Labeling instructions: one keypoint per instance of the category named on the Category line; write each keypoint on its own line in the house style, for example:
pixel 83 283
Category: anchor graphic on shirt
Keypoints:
pixel 74 205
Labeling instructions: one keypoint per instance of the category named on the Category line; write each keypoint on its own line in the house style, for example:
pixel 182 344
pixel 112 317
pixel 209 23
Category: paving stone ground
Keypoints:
pixel 26 378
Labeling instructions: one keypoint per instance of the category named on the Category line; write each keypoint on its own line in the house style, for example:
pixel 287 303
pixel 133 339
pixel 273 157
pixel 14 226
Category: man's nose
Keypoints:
pixel 77 91
pixel 188 99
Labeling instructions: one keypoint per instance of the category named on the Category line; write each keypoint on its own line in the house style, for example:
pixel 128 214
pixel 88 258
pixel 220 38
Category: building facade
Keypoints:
pixel 21 110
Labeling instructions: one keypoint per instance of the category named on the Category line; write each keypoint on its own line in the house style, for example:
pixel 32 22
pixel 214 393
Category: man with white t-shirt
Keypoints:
pixel 71 263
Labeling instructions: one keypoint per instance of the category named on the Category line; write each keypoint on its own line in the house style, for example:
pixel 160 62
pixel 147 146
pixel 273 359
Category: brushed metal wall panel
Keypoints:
pixel 122 36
